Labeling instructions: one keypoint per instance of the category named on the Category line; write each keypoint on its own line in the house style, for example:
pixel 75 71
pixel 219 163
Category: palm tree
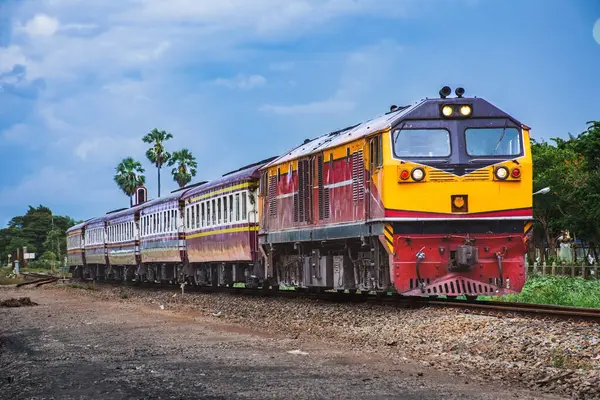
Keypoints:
pixel 186 167
pixel 157 154
pixel 129 176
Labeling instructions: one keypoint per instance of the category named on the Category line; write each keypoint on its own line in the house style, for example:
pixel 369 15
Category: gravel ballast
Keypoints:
pixel 557 357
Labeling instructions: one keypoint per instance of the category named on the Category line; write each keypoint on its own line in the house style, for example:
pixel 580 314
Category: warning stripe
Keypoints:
pixel 526 229
pixel 388 232
pixel 528 226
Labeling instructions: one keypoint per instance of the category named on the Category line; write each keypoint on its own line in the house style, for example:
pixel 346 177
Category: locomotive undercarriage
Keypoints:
pixel 352 264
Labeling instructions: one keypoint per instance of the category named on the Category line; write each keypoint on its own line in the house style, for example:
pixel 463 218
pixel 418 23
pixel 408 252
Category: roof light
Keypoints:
pixel 459 92
pixel 465 110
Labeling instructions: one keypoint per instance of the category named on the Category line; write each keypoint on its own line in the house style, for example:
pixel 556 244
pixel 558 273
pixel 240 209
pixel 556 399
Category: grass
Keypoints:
pixel 556 290
pixel 5 280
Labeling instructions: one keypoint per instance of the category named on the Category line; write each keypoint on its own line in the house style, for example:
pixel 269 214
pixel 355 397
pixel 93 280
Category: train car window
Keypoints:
pixel 493 141
pixel 244 204
pixel 278 174
pixel 214 211
pixel 208 213
pixel 237 206
pixel 219 211
pixel 422 142
pixel 225 209
pixel 347 155
pixel 202 215
pixel 331 160
pixel 193 217
pixel 231 208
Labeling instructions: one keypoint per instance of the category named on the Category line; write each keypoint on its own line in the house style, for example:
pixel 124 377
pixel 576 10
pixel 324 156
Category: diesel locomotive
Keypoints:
pixel 434 198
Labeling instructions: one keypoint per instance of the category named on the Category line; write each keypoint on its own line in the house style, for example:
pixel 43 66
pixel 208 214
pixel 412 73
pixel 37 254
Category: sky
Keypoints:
pixel 237 81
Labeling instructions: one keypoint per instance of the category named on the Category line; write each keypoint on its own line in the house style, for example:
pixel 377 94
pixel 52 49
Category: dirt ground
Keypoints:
pixel 69 347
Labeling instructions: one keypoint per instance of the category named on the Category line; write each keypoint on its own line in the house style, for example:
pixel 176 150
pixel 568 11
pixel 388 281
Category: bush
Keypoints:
pixel 559 290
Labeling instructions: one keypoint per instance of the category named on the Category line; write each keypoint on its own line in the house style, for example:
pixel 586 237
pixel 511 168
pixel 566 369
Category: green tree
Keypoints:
pixel 129 176
pixel 32 231
pixel 185 168
pixel 53 243
pixel 157 153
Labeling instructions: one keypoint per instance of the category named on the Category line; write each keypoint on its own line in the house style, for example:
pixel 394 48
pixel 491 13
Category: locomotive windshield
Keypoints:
pixel 493 141
pixel 422 143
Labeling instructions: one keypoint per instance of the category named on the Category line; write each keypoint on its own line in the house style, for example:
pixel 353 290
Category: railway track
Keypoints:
pixel 483 307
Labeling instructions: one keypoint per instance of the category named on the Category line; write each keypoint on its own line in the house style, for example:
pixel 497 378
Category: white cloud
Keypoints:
pixel 10 57
pixel 112 71
pixel 41 25
pixel 241 81
pixel 596 31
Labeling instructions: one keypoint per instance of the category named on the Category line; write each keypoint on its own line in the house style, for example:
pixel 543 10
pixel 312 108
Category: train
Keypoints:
pixel 429 199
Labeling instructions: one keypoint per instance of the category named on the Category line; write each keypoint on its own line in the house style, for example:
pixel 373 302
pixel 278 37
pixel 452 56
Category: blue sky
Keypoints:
pixel 235 81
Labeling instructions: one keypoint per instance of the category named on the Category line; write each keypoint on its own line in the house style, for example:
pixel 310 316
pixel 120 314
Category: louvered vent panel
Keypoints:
pixel 320 184
pixel 273 196
pixel 326 205
pixel 358 176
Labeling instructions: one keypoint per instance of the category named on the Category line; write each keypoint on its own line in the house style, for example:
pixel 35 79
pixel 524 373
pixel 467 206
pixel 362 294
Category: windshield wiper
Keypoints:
pixel 501 136
pixel 398 134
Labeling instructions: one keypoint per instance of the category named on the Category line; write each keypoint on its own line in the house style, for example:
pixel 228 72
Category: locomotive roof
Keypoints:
pixel 345 135
pixel 424 109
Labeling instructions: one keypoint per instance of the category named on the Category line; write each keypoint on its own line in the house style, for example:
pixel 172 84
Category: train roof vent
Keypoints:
pixel 334 133
pixel 394 108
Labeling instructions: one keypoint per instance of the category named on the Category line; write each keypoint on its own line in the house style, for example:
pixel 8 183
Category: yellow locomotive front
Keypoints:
pixel 457 192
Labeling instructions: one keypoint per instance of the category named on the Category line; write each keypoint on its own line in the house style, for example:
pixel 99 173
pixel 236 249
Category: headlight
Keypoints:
pixel 447 111
pixel 418 174
pixel 501 173
pixel 465 110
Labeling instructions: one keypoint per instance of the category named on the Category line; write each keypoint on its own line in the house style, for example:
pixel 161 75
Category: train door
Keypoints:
pixel 374 183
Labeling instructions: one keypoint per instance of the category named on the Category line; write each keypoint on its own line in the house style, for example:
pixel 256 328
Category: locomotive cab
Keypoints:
pixel 457 198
